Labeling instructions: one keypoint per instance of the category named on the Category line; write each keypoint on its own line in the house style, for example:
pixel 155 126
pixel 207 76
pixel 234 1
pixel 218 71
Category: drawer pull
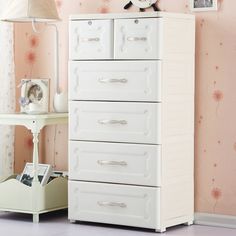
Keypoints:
pixel 112 204
pixel 90 39
pixel 135 39
pixel 112 163
pixel 123 81
pixel 113 122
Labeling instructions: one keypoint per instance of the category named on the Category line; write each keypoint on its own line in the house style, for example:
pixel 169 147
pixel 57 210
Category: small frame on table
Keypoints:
pixel 203 5
pixel 34 96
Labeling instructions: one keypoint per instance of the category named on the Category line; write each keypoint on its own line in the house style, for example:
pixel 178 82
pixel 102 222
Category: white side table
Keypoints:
pixel 34 123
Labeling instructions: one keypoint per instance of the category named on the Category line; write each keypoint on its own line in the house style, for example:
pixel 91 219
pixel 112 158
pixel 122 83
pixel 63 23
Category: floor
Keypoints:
pixel 56 224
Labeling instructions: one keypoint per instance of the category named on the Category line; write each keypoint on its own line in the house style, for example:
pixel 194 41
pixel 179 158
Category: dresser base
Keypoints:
pixel 160 230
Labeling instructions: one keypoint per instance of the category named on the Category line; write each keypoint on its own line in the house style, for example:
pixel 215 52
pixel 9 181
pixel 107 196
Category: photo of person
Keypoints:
pixel 203 3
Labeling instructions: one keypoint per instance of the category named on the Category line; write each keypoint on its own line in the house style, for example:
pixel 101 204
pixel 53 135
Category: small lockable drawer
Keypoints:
pixel 135 164
pixel 114 204
pixel 115 122
pixel 91 39
pixel 138 38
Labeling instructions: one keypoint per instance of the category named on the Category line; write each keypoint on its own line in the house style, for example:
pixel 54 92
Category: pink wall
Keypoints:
pixel 215 165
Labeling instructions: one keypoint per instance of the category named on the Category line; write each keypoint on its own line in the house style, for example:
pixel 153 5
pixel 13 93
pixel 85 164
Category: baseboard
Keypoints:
pixel 215 220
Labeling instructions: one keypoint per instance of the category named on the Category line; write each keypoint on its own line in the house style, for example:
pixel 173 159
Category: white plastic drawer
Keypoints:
pixel 115 80
pixel 115 122
pixel 114 204
pixel 92 39
pixel 115 163
pixel 138 38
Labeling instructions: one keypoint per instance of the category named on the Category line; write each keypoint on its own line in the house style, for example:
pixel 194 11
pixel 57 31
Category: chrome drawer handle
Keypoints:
pixel 123 81
pixel 90 39
pixel 112 204
pixel 135 39
pixel 113 122
pixel 112 163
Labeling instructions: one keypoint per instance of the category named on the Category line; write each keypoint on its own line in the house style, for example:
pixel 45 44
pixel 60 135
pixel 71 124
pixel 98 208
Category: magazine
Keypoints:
pixel 44 173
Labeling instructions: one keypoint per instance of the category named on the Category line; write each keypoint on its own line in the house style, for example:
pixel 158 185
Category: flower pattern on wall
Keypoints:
pixel 28 142
pixel 30 57
pixel 218 95
pixel 33 41
pixel 104 6
pixel 59 3
pixel 216 195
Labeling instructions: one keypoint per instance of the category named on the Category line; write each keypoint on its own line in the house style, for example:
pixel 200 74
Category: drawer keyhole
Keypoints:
pixel 90 22
pixel 136 21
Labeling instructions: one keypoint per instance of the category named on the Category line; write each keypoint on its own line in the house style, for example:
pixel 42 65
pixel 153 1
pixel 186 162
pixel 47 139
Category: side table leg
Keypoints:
pixel 35 183
pixel 35 156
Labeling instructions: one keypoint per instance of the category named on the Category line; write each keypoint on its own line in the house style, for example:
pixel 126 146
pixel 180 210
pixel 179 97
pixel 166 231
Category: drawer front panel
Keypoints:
pixel 114 204
pixel 91 39
pixel 115 81
pixel 115 163
pixel 138 38
pixel 115 122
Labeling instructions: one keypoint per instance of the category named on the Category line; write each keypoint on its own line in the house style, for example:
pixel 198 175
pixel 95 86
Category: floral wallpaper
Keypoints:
pixel 7 96
pixel 215 145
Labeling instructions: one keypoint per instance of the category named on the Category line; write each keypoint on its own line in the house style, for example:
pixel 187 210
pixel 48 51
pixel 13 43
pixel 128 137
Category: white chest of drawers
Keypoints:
pixel 131 91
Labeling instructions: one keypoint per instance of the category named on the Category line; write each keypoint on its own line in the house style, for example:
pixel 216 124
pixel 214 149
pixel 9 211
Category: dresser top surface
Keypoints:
pixel 158 14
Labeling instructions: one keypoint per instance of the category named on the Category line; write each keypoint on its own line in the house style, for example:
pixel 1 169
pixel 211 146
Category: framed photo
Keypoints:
pixel 34 96
pixel 203 5
pixel 44 173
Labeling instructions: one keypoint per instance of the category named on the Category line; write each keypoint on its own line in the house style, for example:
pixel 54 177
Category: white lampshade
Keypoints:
pixel 28 10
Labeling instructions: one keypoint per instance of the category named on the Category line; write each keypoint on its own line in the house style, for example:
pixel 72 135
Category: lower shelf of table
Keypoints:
pixel 17 197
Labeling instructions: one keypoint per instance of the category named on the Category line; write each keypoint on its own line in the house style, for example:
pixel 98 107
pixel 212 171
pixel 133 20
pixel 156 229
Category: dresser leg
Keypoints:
pixel 162 230
pixel 36 218
pixel 189 223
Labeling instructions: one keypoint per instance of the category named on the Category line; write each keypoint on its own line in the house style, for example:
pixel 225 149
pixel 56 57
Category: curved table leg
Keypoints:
pixel 35 156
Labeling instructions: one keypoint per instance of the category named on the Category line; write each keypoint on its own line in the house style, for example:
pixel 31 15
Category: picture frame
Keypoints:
pixel 34 96
pixel 44 173
pixel 203 5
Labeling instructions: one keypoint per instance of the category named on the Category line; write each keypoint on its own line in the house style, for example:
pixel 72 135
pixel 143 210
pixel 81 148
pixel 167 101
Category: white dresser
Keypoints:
pixel 131 118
